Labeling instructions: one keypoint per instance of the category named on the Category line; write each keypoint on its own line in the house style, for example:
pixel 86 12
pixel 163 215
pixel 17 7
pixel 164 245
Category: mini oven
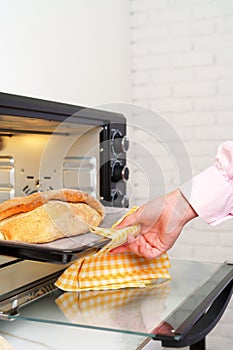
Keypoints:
pixel 49 145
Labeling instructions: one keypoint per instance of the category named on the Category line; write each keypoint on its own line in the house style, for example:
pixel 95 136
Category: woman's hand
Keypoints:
pixel 161 222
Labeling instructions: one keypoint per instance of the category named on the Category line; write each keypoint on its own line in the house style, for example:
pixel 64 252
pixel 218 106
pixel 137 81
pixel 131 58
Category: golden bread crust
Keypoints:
pixel 48 216
pixel 25 204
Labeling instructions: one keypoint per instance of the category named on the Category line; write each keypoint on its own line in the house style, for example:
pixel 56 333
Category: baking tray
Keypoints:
pixel 65 250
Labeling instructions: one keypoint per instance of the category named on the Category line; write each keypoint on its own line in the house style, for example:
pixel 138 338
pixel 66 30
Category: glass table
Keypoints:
pixel 179 312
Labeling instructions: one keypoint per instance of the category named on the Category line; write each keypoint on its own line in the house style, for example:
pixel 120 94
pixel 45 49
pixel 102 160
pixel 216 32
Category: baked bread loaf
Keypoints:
pixel 47 216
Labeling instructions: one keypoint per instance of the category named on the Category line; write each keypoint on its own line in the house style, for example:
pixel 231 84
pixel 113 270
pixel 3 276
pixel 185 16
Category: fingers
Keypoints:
pixel 149 252
pixel 121 249
pixel 140 247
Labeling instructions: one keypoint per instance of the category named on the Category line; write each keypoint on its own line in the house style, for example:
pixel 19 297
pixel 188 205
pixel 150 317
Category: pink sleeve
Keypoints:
pixel 210 193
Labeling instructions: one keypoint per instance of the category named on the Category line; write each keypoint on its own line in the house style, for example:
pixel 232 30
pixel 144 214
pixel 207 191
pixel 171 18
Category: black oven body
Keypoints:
pixel 113 142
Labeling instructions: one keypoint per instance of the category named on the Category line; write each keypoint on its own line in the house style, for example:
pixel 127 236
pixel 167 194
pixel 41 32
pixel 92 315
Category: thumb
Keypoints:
pixel 129 220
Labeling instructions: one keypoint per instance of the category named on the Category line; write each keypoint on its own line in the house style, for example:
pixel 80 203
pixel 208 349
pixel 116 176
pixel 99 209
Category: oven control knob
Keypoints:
pixel 120 200
pixel 125 201
pixel 120 172
pixel 120 144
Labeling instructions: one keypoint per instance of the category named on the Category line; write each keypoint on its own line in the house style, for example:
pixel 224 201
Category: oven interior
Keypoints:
pixel 38 155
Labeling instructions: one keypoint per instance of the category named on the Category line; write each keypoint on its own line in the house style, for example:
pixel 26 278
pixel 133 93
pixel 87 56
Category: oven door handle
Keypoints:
pixel 196 336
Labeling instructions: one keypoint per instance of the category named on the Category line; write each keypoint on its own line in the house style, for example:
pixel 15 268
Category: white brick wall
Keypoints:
pixel 182 66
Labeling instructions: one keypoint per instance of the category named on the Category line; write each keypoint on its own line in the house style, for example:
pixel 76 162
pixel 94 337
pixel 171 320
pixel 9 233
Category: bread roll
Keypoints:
pixel 47 216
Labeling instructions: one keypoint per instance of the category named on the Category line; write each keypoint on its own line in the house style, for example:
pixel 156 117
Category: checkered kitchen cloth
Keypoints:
pixel 104 270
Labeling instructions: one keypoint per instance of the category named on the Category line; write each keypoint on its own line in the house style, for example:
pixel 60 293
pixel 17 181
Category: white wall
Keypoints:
pixel 182 66
pixel 74 51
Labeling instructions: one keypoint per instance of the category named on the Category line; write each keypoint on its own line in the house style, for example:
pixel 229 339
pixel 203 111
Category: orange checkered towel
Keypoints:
pixel 104 270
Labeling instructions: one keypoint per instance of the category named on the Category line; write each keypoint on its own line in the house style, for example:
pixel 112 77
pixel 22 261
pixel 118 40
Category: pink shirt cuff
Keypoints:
pixel 210 195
